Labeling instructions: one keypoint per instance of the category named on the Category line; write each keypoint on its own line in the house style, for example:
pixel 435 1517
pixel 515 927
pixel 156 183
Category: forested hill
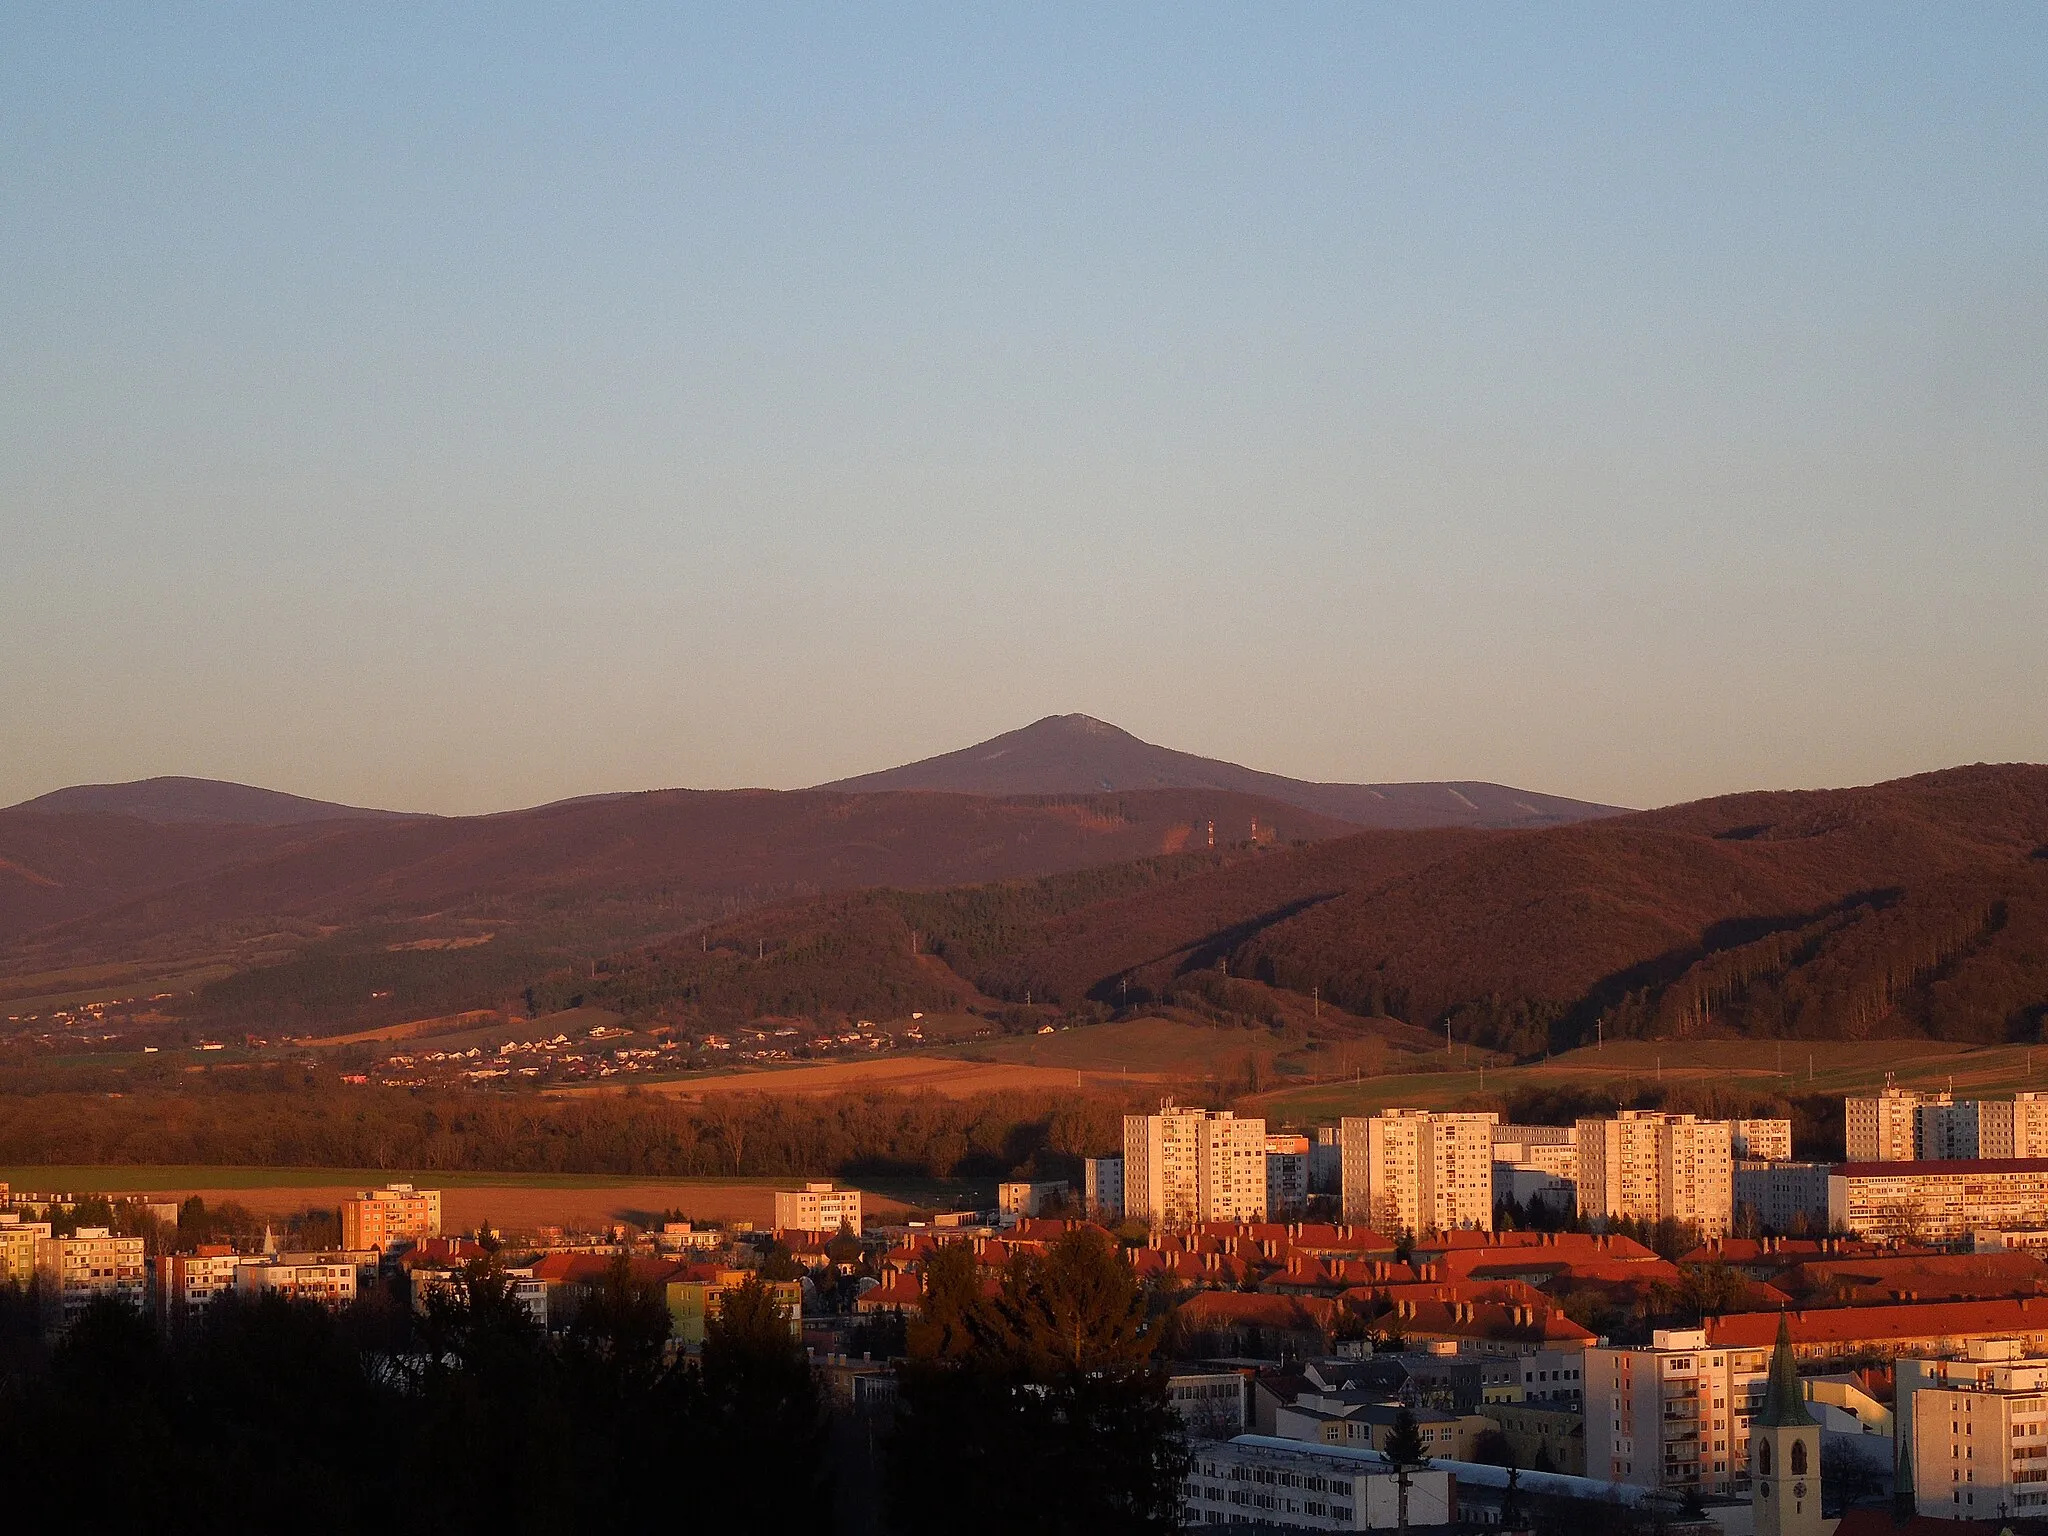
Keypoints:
pixel 1914 907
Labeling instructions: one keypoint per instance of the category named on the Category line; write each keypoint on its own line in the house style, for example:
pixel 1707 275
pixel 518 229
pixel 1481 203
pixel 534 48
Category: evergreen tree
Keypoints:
pixel 1049 1386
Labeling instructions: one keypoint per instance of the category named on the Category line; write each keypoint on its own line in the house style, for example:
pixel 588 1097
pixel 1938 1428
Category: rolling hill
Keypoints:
pixel 1918 907
pixel 561 883
pixel 1075 754
pixel 174 801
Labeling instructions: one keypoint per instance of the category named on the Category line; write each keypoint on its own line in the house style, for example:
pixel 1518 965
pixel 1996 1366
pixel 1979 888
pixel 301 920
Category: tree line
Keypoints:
pixel 318 1122
pixel 463 1416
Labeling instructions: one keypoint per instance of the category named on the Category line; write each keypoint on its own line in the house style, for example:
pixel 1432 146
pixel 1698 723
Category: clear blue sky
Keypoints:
pixel 455 408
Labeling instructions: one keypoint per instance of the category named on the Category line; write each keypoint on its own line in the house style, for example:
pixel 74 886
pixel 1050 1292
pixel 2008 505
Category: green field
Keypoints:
pixel 1831 1067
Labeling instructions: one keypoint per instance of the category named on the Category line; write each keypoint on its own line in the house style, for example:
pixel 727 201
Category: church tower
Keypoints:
pixel 1784 1453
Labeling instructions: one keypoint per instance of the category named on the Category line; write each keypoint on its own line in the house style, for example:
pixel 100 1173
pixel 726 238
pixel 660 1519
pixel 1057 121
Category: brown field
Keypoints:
pixel 475 1018
pixel 901 1074
pixel 523 1208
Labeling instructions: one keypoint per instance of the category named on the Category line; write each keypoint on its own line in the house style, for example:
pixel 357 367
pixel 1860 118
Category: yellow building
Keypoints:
pixel 696 1297
pixel 18 1248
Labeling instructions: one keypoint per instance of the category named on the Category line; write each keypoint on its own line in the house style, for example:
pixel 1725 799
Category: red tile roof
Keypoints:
pixel 1905 1321
pixel 1480 1320
pixel 1241 1309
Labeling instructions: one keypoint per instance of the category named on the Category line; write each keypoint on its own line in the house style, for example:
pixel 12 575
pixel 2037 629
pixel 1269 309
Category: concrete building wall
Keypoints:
pixel 1408 1170
pixel 1187 1164
pixel 1880 1128
pixel 1102 1186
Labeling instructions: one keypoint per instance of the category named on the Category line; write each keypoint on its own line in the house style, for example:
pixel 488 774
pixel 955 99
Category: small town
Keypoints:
pixel 1414 1319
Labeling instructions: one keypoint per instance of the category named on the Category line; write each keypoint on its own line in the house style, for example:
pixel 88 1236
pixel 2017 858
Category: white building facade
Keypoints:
pixel 1410 1170
pixel 1187 1164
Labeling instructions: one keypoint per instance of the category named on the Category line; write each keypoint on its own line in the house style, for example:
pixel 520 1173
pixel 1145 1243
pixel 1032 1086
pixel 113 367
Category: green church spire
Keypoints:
pixel 1784 1400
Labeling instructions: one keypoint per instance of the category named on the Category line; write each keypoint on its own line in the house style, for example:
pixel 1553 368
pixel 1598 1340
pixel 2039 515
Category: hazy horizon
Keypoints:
pixel 457 411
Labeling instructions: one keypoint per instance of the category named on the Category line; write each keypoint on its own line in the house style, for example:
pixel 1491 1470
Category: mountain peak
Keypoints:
pixel 1079 754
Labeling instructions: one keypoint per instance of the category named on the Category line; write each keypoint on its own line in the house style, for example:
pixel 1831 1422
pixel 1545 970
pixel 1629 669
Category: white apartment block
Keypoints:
pixel 1673 1414
pixel 1102 1187
pixel 1646 1165
pixel 1937 1201
pixel 1256 1480
pixel 332 1284
pixel 817 1207
pixel 1187 1164
pixel 1882 1128
pixel 1286 1176
pixel 2014 1128
pixel 1763 1141
pixel 1976 1432
pixel 1408 1170
pixel 92 1263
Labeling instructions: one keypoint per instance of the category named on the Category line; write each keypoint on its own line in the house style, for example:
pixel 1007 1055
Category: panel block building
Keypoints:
pixel 1186 1164
pixel 1410 1170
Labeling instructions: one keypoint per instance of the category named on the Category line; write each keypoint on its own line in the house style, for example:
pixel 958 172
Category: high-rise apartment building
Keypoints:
pixel 1286 1177
pixel 1409 1170
pixel 1882 1128
pixel 1326 1161
pixel 1645 1165
pixel 1944 1130
pixel 381 1219
pixel 1674 1414
pixel 1783 1197
pixel 817 1207
pixel 1187 1164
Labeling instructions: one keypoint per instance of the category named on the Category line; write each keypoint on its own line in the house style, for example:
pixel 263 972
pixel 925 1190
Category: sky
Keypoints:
pixel 454 408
